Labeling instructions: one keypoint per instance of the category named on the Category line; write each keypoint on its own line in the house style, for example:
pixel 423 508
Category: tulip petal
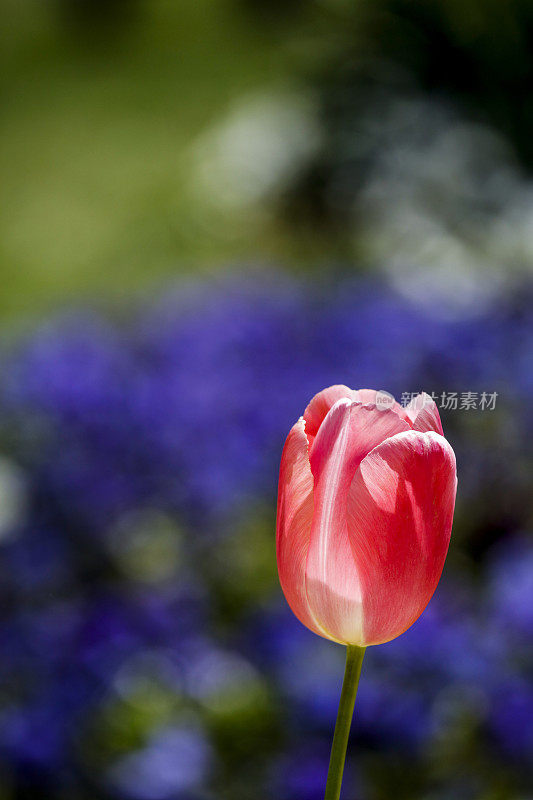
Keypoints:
pixel 294 517
pixel 324 401
pixel 321 404
pixel 424 414
pixel 367 396
pixel 399 517
pixel 347 434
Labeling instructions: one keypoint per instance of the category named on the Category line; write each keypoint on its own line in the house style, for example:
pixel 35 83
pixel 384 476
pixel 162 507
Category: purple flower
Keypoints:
pixel 510 588
pixel 511 717
pixel 175 761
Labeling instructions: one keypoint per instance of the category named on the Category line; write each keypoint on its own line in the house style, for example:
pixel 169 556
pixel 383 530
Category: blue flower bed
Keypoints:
pixel 146 651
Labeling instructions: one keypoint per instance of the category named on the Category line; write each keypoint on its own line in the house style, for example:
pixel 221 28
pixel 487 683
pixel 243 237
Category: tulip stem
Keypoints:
pixel 354 660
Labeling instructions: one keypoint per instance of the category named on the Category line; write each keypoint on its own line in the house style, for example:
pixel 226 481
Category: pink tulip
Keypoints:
pixel 365 508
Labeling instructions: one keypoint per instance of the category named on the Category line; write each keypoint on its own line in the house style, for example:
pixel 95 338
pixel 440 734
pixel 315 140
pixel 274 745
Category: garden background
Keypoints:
pixel 214 209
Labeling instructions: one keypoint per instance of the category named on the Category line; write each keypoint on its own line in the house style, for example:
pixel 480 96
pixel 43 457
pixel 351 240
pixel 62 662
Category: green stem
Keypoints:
pixel 354 660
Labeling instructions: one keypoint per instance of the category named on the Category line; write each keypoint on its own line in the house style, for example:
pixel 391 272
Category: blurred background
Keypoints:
pixel 214 209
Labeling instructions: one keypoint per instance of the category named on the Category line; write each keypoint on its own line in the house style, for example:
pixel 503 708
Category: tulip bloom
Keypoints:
pixel 365 507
